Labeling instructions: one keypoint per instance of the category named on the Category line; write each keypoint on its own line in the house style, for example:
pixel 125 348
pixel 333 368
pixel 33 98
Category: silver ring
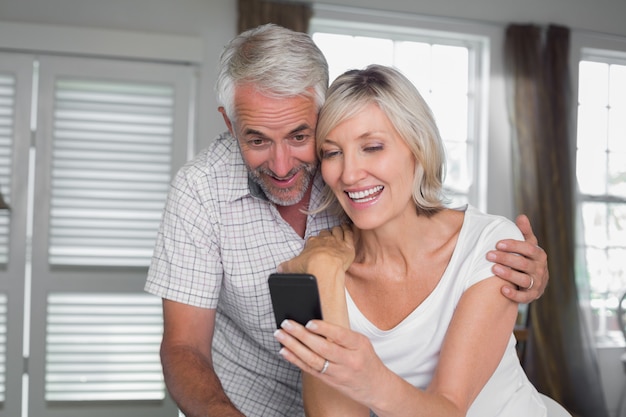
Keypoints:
pixel 325 367
pixel 532 282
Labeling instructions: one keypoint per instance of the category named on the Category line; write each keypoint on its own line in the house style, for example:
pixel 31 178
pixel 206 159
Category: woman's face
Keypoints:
pixel 369 168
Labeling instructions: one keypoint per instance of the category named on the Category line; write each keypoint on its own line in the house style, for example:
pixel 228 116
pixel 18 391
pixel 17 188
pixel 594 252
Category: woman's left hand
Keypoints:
pixel 340 357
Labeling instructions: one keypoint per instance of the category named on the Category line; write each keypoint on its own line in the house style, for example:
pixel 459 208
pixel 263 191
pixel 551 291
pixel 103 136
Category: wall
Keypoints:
pixel 600 15
pixel 214 21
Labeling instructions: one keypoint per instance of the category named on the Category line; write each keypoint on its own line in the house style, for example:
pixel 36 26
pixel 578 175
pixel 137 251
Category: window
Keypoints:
pixel 601 174
pixel 446 69
pixel 88 146
pixel 111 146
pixel 105 136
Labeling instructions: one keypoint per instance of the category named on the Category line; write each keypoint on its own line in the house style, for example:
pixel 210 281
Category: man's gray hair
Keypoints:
pixel 277 61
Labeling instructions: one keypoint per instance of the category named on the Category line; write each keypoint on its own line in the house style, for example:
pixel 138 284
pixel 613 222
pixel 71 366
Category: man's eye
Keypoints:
pixel 256 142
pixel 300 138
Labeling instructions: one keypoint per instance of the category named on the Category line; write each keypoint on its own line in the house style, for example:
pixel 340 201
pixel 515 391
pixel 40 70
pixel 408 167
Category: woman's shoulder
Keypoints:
pixel 497 226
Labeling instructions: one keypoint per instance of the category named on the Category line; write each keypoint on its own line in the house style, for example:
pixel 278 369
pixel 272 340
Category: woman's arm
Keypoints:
pixel 473 347
pixel 326 256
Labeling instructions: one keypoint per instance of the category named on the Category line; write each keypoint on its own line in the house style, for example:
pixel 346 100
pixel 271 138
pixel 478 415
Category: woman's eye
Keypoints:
pixel 329 154
pixel 373 148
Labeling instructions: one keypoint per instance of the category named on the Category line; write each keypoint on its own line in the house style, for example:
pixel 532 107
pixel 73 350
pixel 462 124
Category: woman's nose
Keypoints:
pixel 352 170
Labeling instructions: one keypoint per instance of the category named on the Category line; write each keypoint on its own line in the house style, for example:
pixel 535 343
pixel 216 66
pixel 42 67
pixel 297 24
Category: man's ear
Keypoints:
pixel 229 124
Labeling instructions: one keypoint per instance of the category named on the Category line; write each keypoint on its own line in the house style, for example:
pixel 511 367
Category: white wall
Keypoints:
pixel 214 21
pixel 598 15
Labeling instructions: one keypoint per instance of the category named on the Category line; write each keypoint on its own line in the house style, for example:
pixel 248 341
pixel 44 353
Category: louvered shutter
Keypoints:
pixel 110 135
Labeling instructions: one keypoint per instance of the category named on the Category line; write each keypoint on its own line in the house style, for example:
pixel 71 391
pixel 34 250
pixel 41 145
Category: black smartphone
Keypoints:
pixel 295 297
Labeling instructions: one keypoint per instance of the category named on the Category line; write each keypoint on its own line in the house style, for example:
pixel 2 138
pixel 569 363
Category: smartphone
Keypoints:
pixel 295 297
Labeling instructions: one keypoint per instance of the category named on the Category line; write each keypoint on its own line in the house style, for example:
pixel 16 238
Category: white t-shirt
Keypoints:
pixel 412 348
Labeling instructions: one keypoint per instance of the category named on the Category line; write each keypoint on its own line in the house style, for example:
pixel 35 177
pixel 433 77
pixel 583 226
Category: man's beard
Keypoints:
pixel 284 196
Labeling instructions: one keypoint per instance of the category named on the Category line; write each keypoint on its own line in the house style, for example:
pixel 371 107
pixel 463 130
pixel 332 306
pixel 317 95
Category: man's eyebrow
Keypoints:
pixel 300 128
pixel 253 132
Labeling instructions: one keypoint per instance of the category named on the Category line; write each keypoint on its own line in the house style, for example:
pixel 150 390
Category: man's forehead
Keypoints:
pixel 258 113
pixel 252 91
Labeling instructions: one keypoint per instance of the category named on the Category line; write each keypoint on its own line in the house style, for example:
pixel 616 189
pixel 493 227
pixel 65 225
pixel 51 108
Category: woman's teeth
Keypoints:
pixel 365 195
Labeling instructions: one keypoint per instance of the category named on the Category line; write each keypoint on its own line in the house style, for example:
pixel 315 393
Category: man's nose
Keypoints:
pixel 280 160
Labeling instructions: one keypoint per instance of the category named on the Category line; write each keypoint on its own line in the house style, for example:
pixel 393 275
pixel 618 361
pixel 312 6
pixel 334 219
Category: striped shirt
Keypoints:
pixel 219 240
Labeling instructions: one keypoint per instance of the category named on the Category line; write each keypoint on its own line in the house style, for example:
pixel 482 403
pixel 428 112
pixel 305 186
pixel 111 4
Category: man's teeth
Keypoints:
pixel 365 195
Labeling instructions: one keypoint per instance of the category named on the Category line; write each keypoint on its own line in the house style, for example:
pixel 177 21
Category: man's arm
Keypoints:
pixel 187 362
pixel 527 274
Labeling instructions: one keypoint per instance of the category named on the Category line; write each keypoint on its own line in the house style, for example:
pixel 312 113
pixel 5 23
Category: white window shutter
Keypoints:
pixel 110 135
pixel 7 132
pixel 111 163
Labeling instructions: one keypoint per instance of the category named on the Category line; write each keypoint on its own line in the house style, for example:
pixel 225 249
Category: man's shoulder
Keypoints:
pixel 217 156
pixel 217 172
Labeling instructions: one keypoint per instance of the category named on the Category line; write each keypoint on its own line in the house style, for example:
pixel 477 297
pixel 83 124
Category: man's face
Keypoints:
pixel 277 142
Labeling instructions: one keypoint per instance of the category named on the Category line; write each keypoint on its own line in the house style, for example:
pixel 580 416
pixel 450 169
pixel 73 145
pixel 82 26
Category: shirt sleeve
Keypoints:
pixel 484 236
pixel 186 265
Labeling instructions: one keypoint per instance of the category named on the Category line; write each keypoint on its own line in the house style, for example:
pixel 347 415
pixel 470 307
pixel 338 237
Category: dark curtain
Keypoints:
pixel 294 16
pixel 560 357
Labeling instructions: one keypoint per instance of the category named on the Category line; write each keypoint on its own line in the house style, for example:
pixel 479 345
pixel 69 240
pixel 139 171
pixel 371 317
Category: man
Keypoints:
pixel 236 211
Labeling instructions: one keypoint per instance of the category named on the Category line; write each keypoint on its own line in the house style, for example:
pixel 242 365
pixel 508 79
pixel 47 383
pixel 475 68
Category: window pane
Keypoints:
pixel 413 59
pixel 595 224
pixel 3 345
pixel 103 347
pixel 591 171
pixel 344 52
pixel 450 69
pixel 617 129
pixel 601 174
pixel 458 177
pixel 617 74
pixel 7 122
pixel 593 87
pixel 592 127
pixel 617 228
pixel 617 174
pixel 441 74
pixel 112 145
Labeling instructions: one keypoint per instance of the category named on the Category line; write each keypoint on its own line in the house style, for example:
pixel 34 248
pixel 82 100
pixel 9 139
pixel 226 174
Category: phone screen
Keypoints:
pixel 295 297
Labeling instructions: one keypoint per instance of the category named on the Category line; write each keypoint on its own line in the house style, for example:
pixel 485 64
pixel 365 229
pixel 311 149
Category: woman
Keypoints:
pixel 414 321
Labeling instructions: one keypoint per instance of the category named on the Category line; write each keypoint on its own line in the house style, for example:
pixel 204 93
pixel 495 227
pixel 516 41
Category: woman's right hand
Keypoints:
pixel 327 257
pixel 330 250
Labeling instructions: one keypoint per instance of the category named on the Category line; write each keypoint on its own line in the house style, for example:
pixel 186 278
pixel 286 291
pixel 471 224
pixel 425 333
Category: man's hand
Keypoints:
pixel 523 263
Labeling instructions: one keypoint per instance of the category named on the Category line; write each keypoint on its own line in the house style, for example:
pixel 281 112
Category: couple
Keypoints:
pixel 239 209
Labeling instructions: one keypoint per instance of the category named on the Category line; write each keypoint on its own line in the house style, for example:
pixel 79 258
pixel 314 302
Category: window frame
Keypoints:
pixel 609 49
pixel 12 274
pixel 490 121
pixel 27 341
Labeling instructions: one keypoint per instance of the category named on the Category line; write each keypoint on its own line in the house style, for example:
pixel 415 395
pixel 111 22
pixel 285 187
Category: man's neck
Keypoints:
pixel 293 214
